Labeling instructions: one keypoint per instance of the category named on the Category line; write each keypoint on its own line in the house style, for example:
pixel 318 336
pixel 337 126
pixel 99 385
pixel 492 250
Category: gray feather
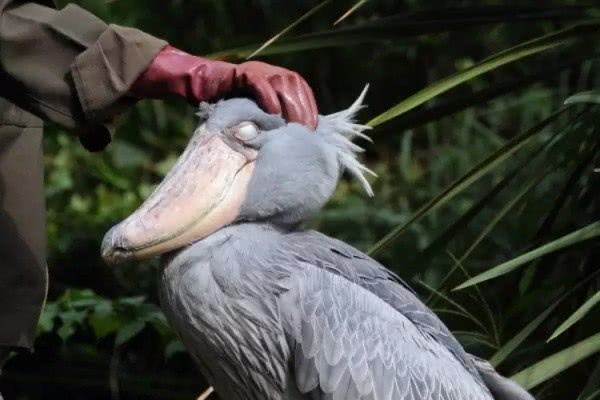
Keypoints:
pixel 502 388
pixel 323 306
pixel 272 312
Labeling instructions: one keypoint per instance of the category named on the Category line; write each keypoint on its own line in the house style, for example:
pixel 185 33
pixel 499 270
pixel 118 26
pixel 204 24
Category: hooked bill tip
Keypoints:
pixel 112 250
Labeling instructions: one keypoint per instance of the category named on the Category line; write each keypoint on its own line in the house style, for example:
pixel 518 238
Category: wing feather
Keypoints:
pixel 352 345
pixel 342 259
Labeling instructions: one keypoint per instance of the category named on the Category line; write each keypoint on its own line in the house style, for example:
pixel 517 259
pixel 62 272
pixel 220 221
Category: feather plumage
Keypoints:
pixel 274 312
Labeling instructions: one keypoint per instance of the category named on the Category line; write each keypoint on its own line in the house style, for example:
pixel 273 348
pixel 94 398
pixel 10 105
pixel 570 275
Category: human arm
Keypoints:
pixel 278 90
pixel 69 67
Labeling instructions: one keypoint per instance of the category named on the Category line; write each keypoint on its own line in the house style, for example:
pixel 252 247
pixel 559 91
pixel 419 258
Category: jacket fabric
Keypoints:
pixel 68 67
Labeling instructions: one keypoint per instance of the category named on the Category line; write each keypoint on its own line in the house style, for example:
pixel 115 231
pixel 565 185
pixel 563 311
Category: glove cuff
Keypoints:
pixel 176 73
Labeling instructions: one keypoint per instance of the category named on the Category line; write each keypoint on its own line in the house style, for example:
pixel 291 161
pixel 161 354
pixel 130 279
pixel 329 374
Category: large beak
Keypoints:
pixel 202 193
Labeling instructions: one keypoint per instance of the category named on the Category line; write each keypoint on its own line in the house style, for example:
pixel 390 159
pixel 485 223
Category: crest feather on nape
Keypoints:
pixel 339 129
pixel 205 110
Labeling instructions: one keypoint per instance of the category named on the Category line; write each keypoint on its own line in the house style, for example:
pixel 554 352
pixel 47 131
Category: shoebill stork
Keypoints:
pixel 268 309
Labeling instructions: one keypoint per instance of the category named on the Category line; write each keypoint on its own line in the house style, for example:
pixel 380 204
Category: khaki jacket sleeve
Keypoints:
pixel 69 67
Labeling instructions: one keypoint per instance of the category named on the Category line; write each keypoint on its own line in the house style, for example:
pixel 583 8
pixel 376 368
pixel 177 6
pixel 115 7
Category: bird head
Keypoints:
pixel 241 165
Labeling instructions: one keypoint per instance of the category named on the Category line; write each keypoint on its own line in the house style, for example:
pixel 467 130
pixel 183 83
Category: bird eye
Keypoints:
pixel 246 131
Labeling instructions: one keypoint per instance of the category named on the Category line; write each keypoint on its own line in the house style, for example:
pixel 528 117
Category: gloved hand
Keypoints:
pixel 277 90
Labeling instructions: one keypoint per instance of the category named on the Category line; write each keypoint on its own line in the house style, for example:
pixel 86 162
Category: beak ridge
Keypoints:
pixel 202 193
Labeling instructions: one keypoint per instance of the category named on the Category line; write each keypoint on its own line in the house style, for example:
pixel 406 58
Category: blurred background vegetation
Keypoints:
pixel 485 172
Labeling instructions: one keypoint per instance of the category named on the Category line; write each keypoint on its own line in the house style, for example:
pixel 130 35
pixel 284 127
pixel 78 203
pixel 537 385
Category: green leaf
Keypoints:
pixel 462 311
pixel 444 238
pixel 520 337
pixel 565 193
pixel 104 320
pixel 71 320
pixel 78 298
pixel 589 390
pixel 473 211
pixel 592 96
pixel 129 331
pixel 350 11
pixel 65 332
pixel 404 25
pixel 47 319
pixel 516 341
pixel 499 216
pixel 157 320
pixel 504 57
pixel 557 363
pixel 104 325
pixel 174 347
pixel 577 315
pixel 589 232
pixel 108 174
pixel 134 301
pixel 466 180
pixel 289 28
pixel 126 155
pixel 474 337
pixel 450 105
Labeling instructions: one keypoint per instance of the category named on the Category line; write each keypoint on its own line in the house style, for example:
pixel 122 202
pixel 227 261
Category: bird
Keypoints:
pixel 272 310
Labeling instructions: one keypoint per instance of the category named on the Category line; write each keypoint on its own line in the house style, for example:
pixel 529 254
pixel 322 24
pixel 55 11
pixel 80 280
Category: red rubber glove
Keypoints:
pixel 278 90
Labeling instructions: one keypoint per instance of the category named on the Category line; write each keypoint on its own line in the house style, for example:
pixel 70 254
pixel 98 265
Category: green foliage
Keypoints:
pixel 288 28
pixel 122 319
pixel 466 180
pixel 592 96
pixel 577 315
pixel 589 232
pixel 486 163
pixel 529 48
pixel 558 362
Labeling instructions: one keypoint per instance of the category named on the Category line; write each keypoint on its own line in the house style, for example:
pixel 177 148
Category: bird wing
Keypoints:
pixel 344 260
pixel 347 343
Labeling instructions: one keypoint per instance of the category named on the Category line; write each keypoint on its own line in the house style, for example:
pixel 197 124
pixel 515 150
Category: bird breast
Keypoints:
pixel 227 318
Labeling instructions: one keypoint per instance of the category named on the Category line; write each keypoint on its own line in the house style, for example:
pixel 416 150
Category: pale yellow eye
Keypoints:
pixel 246 131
